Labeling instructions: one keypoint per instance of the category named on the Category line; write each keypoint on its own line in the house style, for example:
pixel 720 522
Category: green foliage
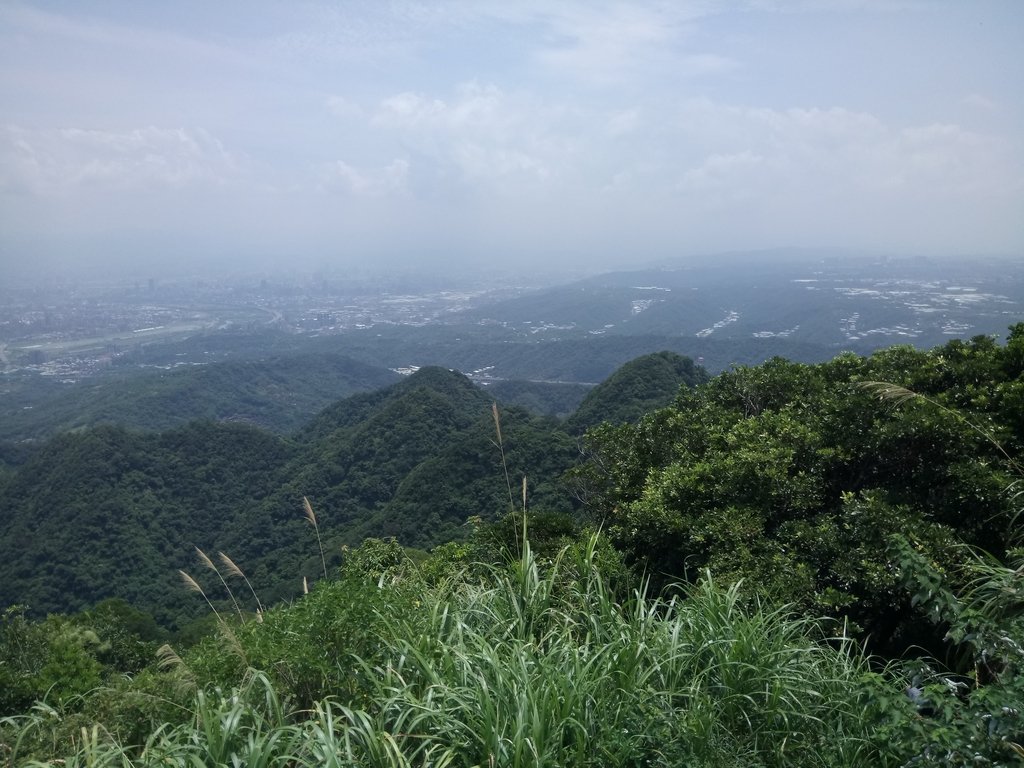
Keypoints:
pixel 532 665
pixel 375 559
pixel 306 648
pixel 54 660
pixel 539 397
pixel 277 393
pixel 974 711
pixel 641 385
pixel 109 512
pixel 792 476
pixel 527 641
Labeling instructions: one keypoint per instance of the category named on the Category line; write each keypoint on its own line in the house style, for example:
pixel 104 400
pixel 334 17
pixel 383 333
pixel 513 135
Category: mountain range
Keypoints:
pixel 112 510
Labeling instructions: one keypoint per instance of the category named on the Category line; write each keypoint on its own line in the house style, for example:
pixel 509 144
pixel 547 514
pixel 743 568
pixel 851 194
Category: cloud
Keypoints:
pixel 697 166
pixel 736 176
pixel 608 44
pixel 481 136
pixel 588 124
pixel 844 150
pixel 979 101
pixel 817 175
pixel 58 161
pixel 379 182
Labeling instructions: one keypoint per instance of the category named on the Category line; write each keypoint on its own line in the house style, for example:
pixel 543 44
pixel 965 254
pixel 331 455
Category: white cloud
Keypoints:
pixel 379 182
pixel 615 43
pixel 736 176
pixel 623 123
pixel 481 135
pixel 855 152
pixel 58 161
pixel 817 175
pixel 979 101
pixel 584 123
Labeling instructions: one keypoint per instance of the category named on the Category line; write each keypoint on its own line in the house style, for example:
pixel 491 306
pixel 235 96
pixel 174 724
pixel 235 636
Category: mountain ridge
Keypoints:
pixel 112 511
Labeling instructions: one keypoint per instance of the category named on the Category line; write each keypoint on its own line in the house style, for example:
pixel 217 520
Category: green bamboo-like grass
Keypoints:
pixel 546 669
pixel 537 666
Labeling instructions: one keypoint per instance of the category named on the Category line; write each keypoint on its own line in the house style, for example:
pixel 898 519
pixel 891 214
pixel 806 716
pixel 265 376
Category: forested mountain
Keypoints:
pixel 795 478
pixel 787 471
pixel 547 398
pixel 417 459
pixel 114 512
pixel 279 393
pixel 794 518
pixel 108 511
pixel 638 387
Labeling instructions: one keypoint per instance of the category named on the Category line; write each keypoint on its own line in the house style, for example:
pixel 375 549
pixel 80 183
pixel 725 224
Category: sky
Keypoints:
pixel 154 137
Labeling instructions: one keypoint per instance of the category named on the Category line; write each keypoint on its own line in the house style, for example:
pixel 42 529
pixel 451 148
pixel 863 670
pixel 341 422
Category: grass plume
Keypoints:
pixel 234 570
pixel 193 586
pixel 894 393
pixel 501 449
pixel 311 519
pixel 206 561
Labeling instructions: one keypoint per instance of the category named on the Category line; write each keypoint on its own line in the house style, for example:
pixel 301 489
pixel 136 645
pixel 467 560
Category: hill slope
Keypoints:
pixel 639 386
pixel 277 393
pixel 111 512
pixel 108 512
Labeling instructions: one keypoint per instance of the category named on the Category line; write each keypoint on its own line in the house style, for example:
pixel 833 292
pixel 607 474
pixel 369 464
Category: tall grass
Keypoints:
pixel 540 666
pixel 545 669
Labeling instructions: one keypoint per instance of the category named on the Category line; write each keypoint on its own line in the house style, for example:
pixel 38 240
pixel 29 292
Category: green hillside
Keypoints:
pixel 794 477
pixel 638 387
pixel 108 511
pixel 278 393
pixel 790 518
pixel 545 398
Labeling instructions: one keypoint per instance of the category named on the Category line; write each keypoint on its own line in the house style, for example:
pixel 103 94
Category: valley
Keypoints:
pixel 67 351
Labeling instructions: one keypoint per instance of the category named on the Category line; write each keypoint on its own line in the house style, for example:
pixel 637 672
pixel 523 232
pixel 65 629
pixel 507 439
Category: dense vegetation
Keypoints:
pixel 547 398
pixel 638 387
pixel 110 512
pixel 280 393
pixel 537 662
pixel 759 536
pixel 794 476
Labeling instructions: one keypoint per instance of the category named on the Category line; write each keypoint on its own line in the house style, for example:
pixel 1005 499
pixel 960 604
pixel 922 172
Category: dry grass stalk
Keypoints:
pixel 206 561
pixel 233 643
pixel 193 585
pixel 184 681
pixel 167 658
pixel 501 449
pixel 311 518
pixel 898 395
pixel 203 558
pixel 234 570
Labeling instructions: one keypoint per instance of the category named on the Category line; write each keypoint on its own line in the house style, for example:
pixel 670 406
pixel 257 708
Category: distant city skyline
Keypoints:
pixel 165 138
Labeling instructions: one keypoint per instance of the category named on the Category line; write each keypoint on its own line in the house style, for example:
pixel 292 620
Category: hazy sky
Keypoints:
pixel 315 133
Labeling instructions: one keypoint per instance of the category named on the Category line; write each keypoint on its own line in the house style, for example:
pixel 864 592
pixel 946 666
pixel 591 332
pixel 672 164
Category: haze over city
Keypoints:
pixel 161 138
